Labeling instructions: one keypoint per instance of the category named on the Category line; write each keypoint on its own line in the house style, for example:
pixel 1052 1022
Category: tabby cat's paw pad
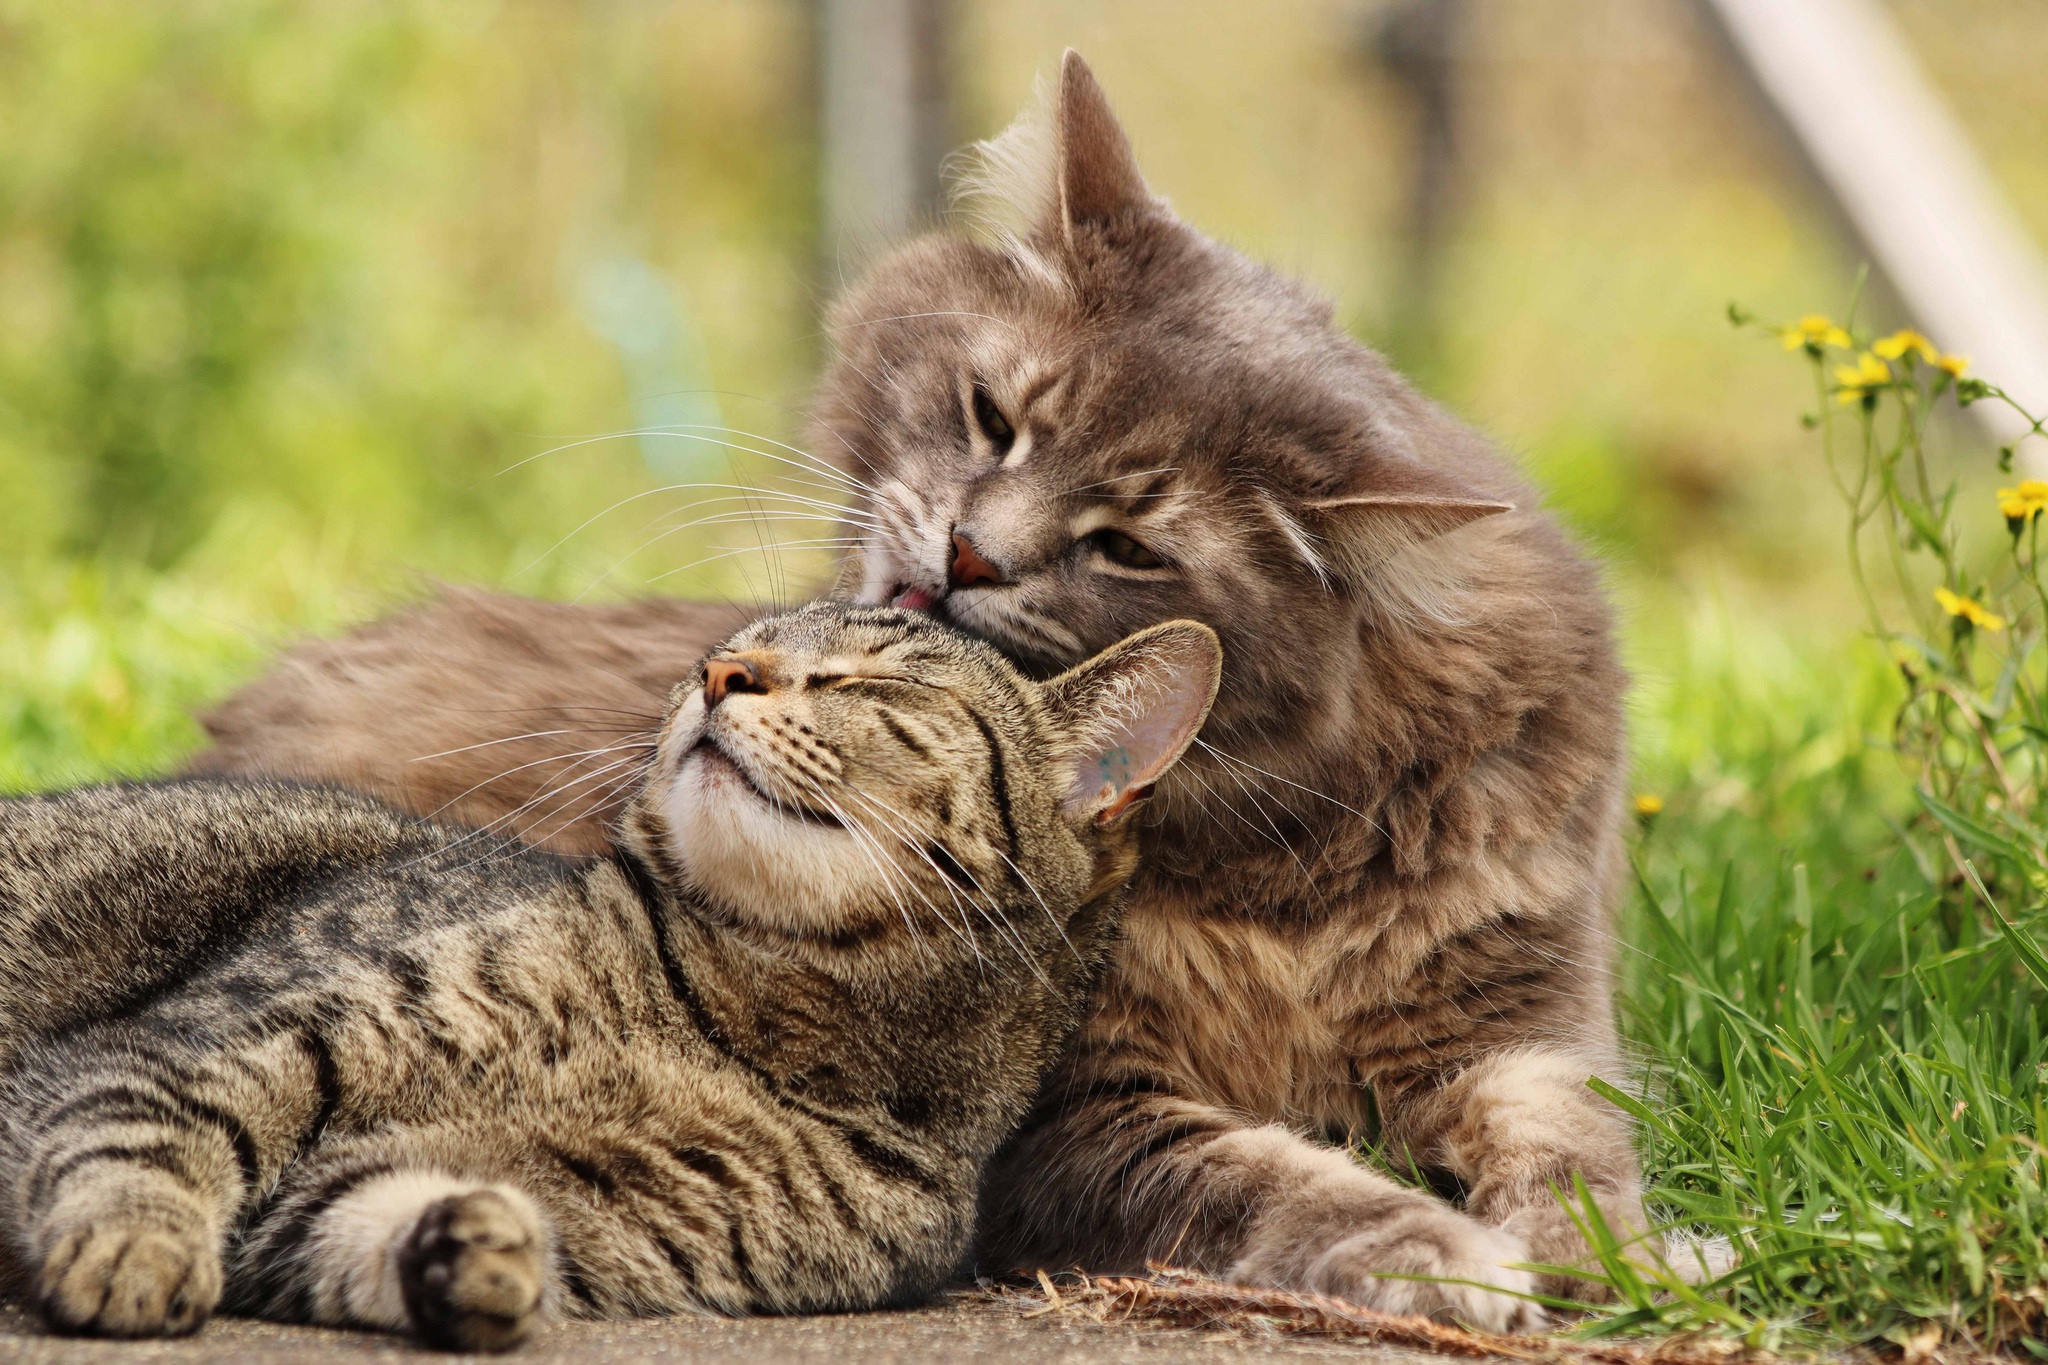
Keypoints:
pixel 472 1271
pixel 1455 1271
pixel 128 1280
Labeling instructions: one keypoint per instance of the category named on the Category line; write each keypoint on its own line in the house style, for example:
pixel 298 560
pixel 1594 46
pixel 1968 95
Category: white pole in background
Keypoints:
pixel 884 119
pixel 1903 172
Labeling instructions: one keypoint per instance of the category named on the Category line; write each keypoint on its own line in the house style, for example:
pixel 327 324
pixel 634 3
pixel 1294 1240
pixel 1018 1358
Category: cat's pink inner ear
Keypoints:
pixel 1098 175
pixel 1132 711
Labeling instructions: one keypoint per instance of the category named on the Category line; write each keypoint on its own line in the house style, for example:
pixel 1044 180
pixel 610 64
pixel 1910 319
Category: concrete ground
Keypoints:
pixel 966 1327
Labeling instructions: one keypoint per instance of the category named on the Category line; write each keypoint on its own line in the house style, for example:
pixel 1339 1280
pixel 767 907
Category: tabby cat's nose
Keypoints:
pixel 729 675
pixel 968 567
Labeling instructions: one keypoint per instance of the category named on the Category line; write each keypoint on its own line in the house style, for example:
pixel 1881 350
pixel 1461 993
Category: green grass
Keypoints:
pixel 1842 1068
pixel 1840 1072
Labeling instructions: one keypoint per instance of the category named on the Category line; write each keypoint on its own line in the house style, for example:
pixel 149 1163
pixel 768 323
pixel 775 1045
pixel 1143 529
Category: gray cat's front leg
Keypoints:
pixel 1519 1129
pixel 1132 1173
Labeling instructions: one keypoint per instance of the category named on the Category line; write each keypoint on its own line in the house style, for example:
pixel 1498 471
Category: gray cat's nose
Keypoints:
pixel 968 567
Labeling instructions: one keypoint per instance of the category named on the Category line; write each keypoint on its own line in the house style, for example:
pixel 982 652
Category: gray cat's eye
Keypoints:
pixel 1122 549
pixel 993 424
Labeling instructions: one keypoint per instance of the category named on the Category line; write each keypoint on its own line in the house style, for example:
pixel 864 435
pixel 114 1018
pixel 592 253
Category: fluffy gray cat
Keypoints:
pixel 287 1049
pixel 1374 900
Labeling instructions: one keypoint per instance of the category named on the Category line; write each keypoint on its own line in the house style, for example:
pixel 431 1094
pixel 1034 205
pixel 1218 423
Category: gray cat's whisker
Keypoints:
pixel 719 519
pixel 908 317
pixel 815 543
pixel 584 525
pixel 1134 474
pixel 842 483
pixel 753 507
pixel 806 459
pixel 844 480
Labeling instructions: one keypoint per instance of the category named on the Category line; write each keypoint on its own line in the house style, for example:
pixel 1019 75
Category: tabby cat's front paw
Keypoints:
pixel 113 1278
pixel 473 1270
pixel 1425 1261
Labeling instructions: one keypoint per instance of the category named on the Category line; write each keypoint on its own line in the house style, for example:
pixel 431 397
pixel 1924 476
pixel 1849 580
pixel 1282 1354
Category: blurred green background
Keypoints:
pixel 290 293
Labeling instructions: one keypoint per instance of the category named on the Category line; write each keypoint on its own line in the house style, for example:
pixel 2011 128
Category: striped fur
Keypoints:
pixel 283 1048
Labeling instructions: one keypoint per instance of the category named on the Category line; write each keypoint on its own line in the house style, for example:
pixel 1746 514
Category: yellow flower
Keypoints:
pixel 1971 610
pixel 1815 331
pixel 1953 364
pixel 1907 342
pixel 1648 803
pixel 1862 379
pixel 2024 503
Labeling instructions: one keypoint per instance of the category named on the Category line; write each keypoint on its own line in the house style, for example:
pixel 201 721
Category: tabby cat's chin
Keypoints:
pixel 721 772
pixel 755 855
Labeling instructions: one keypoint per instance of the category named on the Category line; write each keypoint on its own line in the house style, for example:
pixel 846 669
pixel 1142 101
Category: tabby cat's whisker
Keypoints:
pixel 884 867
pixel 990 913
pixel 559 791
pixel 485 744
pixel 1268 833
pixel 562 796
pixel 550 758
pixel 1030 886
pixel 548 789
pixel 963 933
pixel 1252 792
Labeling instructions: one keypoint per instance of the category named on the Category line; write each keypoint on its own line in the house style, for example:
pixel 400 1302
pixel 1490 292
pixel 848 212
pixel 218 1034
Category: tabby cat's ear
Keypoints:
pixel 1406 506
pixel 1097 174
pixel 1131 712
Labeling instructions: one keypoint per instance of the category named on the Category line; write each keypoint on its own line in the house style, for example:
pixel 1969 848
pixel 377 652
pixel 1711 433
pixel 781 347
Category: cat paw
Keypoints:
pixel 116 1279
pixel 1553 1238
pixel 472 1271
pixel 1426 1262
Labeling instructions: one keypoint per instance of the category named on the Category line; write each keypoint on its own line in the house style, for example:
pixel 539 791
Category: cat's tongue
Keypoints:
pixel 915 599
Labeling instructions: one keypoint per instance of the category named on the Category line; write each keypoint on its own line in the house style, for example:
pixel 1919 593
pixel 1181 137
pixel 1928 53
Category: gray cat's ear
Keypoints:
pixel 1417 503
pixel 1131 712
pixel 1097 174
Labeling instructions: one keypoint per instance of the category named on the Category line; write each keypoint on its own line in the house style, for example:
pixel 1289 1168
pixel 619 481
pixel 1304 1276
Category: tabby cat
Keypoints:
pixel 1373 902
pixel 399 1075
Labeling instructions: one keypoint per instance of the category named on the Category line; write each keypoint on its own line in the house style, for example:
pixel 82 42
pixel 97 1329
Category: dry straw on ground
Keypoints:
pixel 1169 1298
